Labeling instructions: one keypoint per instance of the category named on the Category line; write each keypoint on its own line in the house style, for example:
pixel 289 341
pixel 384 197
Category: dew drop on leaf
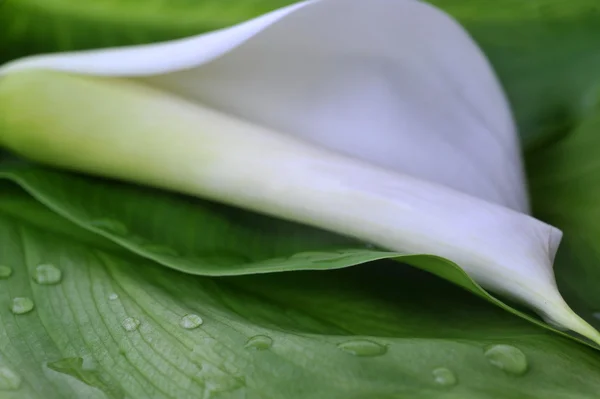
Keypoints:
pixel 362 347
pixel 158 249
pixel 89 363
pixel 597 315
pixel 259 343
pixel 47 274
pixel 111 226
pixel 9 380
pixel 507 358
pixel 191 321
pixel 5 272
pixel 312 256
pixel 130 324
pixel 219 383
pixel 444 377
pixel 21 305
pixel 113 296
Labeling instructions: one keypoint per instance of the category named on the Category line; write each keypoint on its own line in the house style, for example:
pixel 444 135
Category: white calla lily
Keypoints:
pixel 381 120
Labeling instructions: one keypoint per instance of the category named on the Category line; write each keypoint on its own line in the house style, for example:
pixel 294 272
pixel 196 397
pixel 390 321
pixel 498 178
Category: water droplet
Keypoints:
pixel 338 258
pixel 5 272
pixel 444 377
pixel 259 343
pixel 111 226
pixel 507 358
pixel 313 256
pixel 597 315
pixel 216 258
pixel 363 347
pixel 323 257
pixel 370 246
pixel 113 297
pixel 158 249
pixel 191 321
pixel 9 380
pixel 130 324
pixel 352 251
pixel 89 363
pixel 218 382
pixel 47 274
pixel 22 305
pixel 270 263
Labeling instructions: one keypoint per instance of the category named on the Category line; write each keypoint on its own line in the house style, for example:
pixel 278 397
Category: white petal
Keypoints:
pixel 395 82
pixel 136 133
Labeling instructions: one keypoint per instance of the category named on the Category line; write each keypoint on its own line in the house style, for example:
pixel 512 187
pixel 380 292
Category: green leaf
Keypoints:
pixel 565 184
pixel 203 238
pixel 185 233
pixel 111 328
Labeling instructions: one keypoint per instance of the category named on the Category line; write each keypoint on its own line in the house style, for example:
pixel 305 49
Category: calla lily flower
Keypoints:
pixel 380 120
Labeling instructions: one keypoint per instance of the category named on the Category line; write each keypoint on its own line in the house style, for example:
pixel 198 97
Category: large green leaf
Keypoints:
pixel 82 338
pixel 187 234
pixel 565 182
pixel 203 238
